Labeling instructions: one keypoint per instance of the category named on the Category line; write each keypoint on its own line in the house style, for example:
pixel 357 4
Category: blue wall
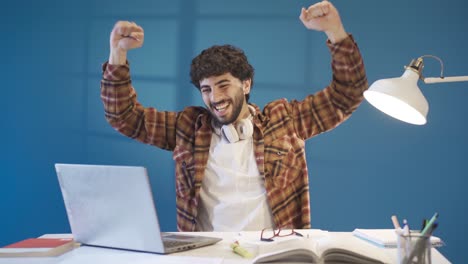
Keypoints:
pixel 360 174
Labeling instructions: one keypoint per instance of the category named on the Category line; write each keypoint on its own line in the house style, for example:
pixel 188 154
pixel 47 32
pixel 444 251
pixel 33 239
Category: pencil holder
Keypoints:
pixel 414 249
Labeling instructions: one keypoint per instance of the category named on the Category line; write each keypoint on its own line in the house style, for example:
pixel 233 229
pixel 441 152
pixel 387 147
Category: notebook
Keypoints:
pixel 112 206
pixel 387 237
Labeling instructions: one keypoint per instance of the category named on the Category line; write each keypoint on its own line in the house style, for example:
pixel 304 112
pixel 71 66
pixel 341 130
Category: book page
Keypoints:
pixel 297 250
pixel 350 249
pixel 22 250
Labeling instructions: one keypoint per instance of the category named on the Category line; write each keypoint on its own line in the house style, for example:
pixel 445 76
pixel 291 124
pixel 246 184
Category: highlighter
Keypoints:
pixel 236 248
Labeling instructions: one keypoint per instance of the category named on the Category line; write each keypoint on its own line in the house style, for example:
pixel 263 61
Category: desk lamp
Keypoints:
pixel 401 97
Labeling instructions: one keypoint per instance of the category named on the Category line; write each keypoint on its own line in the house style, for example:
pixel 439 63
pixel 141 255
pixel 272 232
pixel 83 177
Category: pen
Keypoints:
pixel 406 229
pixel 396 224
pixel 424 223
pixel 426 232
pixel 429 224
pixel 420 245
pixel 236 248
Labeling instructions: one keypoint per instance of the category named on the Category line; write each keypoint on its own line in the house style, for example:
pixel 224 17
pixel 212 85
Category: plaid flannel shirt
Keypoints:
pixel 280 131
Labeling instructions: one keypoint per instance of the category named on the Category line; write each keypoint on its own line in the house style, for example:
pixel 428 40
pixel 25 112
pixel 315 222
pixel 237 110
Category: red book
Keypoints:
pixel 38 247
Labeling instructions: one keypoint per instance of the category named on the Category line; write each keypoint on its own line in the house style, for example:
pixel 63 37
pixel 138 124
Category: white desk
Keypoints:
pixel 215 254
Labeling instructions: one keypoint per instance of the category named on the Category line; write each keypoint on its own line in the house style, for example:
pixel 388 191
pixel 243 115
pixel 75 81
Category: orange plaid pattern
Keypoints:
pixel 280 131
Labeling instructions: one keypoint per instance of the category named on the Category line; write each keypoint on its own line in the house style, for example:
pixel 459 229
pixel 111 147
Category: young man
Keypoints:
pixel 237 167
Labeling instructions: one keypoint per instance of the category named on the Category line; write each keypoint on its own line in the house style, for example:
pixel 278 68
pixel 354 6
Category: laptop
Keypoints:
pixel 113 207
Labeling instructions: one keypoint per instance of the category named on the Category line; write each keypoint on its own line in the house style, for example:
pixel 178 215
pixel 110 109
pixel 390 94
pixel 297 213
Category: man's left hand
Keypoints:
pixel 323 16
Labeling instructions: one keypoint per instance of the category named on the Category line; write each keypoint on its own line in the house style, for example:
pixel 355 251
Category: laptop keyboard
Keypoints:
pixel 175 243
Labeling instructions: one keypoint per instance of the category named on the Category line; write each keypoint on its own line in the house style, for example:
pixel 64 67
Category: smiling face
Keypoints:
pixel 215 62
pixel 224 96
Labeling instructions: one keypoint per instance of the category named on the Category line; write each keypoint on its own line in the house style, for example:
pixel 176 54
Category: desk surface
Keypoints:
pixel 215 254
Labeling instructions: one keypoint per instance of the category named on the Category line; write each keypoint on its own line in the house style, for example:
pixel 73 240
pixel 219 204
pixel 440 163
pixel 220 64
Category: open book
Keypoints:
pixel 323 250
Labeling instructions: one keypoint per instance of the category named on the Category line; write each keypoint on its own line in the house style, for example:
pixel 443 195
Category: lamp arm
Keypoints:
pixel 440 79
pixel 445 79
pixel 437 58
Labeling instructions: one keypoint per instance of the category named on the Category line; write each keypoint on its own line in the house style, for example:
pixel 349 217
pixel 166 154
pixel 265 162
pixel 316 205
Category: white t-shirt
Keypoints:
pixel 233 196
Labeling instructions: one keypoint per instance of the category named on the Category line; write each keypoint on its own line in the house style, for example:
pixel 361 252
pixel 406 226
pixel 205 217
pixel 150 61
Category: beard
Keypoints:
pixel 237 103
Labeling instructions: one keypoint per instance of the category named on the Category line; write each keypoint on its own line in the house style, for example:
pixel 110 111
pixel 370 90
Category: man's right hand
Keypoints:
pixel 125 36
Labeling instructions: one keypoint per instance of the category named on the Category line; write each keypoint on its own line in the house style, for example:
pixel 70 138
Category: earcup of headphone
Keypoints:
pixel 244 129
pixel 230 133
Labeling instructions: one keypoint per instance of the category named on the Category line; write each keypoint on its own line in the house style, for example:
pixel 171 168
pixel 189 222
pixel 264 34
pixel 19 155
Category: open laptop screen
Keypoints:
pixel 112 206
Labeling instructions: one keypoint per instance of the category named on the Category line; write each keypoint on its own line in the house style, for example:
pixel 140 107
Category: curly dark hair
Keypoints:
pixel 218 60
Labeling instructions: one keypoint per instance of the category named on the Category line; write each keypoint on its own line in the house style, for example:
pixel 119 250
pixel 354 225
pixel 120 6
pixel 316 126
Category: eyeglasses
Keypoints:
pixel 268 233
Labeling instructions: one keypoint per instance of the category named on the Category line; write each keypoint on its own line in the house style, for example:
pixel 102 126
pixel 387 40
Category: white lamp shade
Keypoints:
pixel 400 98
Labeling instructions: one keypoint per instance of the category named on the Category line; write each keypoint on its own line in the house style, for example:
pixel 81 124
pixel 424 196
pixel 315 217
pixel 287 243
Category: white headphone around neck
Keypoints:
pixel 242 130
